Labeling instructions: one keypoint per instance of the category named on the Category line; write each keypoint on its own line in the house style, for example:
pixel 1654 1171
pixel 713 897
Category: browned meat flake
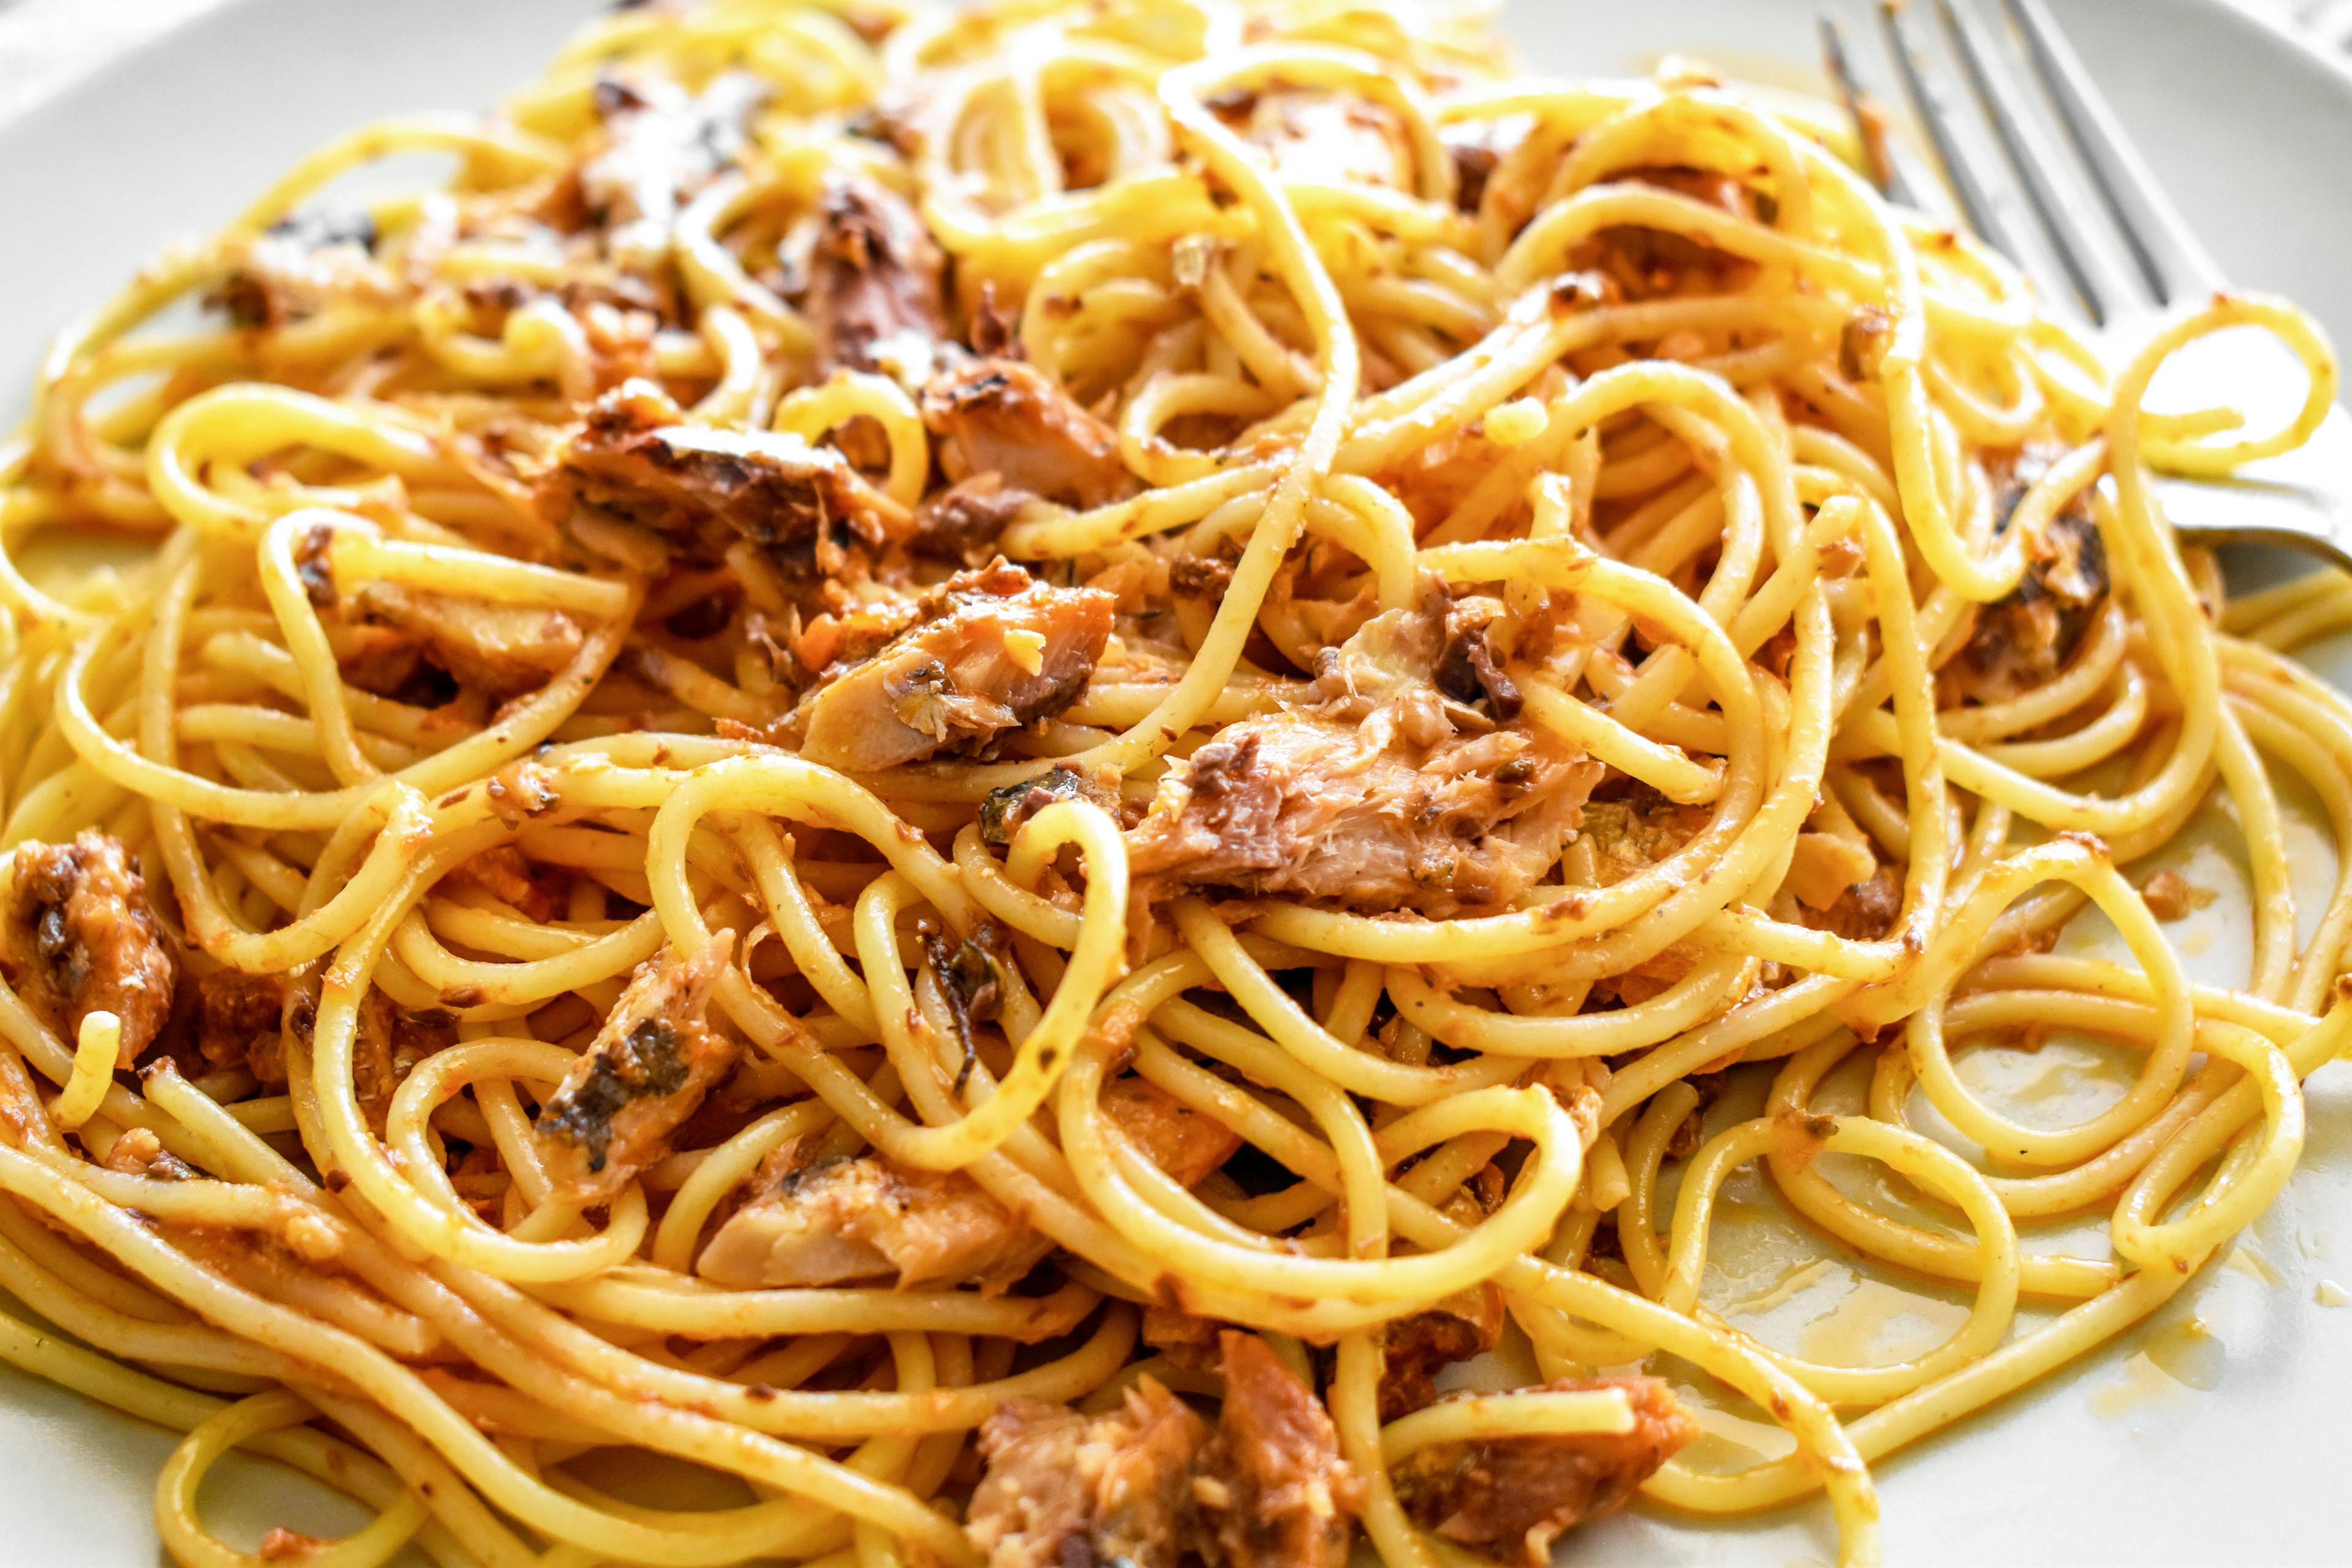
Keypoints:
pixel 1001 416
pixel 80 938
pixel 963 521
pixel 299 266
pixel 992 650
pixel 1470 670
pixel 663 145
pixel 823 1221
pixel 240 1021
pixel 505 873
pixel 642 1076
pixel 1062 1487
pixel 1510 1497
pixel 874 284
pixel 1005 810
pixel 1645 263
pixel 1172 1135
pixel 138 1153
pixel 1149 1484
pixel 503 651
pixel 1412 1349
pixel 2024 640
pixel 1273 1491
pixel 832 1220
pixel 634 457
pixel 1864 912
pixel 1376 796
pixel 390 1042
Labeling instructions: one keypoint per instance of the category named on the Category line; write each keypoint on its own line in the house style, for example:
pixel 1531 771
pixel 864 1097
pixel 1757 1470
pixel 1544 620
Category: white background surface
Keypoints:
pixel 2102 1465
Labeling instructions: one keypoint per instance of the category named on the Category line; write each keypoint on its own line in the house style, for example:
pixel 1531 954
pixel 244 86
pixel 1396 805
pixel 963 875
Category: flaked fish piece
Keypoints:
pixel 503 651
pixel 300 265
pixel 240 1023
pixel 635 457
pixel 992 650
pixel 2022 641
pixel 1273 1491
pixel 1002 416
pixel 663 145
pixel 1062 1487
pixel 79 937
pixel 827 1221
pixel 1412 1350
pixel 1508 1499
pixel 645 1073
pixel 874 284
pixel 834 1220
pixel 1380 794
pixel 964 522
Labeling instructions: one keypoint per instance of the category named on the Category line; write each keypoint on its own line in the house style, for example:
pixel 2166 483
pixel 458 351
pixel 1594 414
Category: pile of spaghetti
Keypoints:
pixel 1004 771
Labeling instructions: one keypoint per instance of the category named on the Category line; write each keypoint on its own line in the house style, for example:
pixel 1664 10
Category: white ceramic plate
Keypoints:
pixel 2172 1447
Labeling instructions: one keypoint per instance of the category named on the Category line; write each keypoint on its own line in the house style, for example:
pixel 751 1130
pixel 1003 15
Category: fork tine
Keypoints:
pixel 2176 266
pixel 2106 289
pixel 1869 127
pixel 1976 201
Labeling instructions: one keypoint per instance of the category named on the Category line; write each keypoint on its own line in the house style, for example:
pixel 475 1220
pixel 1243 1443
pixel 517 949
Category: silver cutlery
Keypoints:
pixel 2044 173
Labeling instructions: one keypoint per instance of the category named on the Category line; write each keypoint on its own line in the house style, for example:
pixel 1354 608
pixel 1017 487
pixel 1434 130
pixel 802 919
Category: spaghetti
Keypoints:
pixel 906 748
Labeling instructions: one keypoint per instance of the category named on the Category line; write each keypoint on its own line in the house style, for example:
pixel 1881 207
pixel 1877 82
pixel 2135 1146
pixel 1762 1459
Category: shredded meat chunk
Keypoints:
pixel 642 1076
pixel 391 1041
pixel 504 873
pixel 1003 811
pixel 874 284
pixel 138 1153
pixel 633 457
pixel 502 650
pixel 80 938
pixel 1412 1349
pixel 1273 1491
pixel 1376 796
pixel 823 1221
pixel 1635 830
pixel 1478 148
pixel 1182 1339
pixel 1645 263
pixel 963 521
pixel 831 1220
pixel 1470 670
pixel 990 650
pixel 1001 416
pixel 298 266
pixel 1062 1487
pixel 1510 1497
pixel 1170 1134
pixel 1323 138
pixel 2022 641
pixel 240 1021
pixel 1150 1485
pixel 1864 912
pixel 663 145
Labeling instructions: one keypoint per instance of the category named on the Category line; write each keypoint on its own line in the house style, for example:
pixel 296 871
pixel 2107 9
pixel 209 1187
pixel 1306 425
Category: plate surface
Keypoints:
pixel 2244 1415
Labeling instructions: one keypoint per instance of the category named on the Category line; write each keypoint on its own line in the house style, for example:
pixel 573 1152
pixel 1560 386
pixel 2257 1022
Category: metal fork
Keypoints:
pixel 2080 212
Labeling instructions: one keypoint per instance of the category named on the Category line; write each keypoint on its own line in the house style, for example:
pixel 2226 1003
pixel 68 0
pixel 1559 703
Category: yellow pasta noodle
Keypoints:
pixel 913 752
